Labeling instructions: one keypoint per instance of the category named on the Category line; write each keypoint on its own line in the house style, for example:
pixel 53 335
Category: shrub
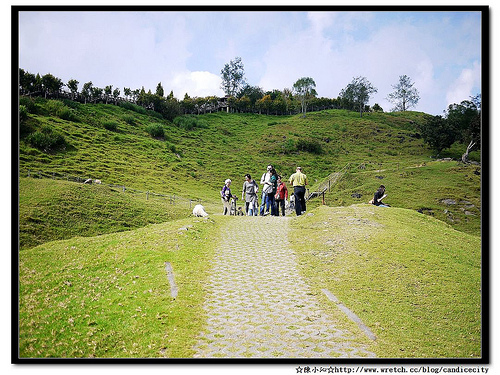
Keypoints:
pixel 54 107
pixel 311 146
pixel 46 139
pixel 133 107
pixel 110 125
pixel 23 113
pixel 189 122
pixel 156 130
pixel 129 119
pixel 68 114
pixel 29 104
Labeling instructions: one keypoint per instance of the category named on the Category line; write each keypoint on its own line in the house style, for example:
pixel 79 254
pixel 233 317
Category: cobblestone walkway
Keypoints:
pixel 259 306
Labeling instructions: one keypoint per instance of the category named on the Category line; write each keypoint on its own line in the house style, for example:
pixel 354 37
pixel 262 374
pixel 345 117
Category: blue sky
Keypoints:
pixel 185 51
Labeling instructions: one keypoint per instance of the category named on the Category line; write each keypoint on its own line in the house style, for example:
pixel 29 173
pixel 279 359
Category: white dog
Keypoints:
pixel 199 211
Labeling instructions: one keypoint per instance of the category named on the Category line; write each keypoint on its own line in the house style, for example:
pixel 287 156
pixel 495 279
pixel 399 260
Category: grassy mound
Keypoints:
pixel 414 280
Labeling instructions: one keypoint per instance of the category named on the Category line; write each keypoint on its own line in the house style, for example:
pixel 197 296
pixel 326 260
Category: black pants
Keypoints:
pixel 280 203
pixel 300 201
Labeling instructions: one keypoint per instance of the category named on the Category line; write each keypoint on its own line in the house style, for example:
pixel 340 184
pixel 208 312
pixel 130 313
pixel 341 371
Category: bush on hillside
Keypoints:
pixel 156 130
pixel 110 125
pixel 189 122
pixel 46 139
pixel 314 147
pixel 129 119
pixel 68 114
pixel 23 113
pixel 133 107
pixel 29 104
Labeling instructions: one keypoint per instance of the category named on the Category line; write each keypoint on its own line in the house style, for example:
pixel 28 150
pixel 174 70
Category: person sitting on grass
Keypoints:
pixel 378 196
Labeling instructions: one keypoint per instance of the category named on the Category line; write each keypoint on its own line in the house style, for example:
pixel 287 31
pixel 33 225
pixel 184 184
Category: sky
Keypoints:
pixel 185 51
pixel 440 52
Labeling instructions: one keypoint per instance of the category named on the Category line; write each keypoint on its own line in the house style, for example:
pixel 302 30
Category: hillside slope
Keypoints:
pixel 192 157
pixel 412 279
pixel 415 281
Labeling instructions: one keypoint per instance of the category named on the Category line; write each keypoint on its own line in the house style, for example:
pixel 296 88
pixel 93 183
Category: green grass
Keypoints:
pixel 109 296
pixel 427 188
pixel 91 265
pixel 414 280
pixel 196 154
pixel 53 209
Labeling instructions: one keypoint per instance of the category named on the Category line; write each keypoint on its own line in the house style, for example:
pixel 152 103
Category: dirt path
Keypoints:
pixel 259 305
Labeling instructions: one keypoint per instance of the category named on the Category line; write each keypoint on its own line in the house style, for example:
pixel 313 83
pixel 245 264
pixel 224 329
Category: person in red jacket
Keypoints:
pixel 281 197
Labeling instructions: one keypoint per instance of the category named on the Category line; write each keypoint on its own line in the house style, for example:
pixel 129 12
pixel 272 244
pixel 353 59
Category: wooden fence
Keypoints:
pixel 172 198
pixel 328 183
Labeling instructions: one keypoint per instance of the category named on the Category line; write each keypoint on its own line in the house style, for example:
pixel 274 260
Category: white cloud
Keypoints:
pixel 185 51
pixel 462 88
pixel 195 84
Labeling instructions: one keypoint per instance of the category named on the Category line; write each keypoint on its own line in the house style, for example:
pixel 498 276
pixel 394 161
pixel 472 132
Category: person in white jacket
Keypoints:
pixel 267 187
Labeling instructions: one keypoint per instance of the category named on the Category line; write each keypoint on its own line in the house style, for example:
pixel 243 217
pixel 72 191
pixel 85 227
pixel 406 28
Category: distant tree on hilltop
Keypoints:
pixel 304 88
pixel 358 92
pixel 405 95
pixel 233 77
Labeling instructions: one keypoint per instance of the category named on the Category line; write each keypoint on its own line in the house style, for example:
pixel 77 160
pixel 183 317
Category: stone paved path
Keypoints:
pixel 259 305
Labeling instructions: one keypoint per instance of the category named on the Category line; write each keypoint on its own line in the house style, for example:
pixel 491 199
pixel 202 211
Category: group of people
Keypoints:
pixel 274 194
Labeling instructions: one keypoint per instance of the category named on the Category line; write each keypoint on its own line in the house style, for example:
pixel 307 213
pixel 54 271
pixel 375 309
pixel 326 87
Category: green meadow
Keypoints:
pixel 92 279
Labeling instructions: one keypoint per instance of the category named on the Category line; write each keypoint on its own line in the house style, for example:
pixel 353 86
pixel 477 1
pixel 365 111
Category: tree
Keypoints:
pixel 405 95
pixel 116 94
pixel 187 104
pixel 73 87
pixel 265 103
pixel 51 84
pixel 27 82
pixel 233 77
pixel 159 90
pixel 438 133
pixel 304 88
pixel 108 90
pixel 87 91
pixel 466 120
pixel 358 93
pixel 96 93
pixel 253 93
pixel 127 92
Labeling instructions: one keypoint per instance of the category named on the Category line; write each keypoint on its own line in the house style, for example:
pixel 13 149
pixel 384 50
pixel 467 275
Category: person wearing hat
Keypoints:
pixel 226 196
pixel 299 181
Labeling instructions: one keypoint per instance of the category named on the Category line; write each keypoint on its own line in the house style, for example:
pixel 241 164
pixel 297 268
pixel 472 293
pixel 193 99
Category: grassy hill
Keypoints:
pixel 92 257
pixel 414 280
pixel 193 157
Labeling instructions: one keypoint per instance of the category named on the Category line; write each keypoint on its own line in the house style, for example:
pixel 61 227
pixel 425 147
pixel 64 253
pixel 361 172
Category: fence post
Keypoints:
pixel 147 195
pixel 324 198
pixel 124 188
pixel 29 173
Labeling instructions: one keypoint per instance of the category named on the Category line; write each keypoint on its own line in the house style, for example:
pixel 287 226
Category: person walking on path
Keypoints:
pixel 281 197
pixel 226 196
pixel 267 187
pixel 249 194
pixel 299 181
